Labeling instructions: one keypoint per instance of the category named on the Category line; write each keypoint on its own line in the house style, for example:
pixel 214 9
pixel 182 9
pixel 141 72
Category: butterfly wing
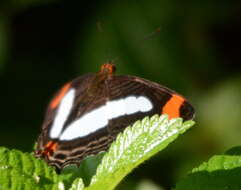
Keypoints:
pixel 58 152
pixel 164 100
pixel 99 111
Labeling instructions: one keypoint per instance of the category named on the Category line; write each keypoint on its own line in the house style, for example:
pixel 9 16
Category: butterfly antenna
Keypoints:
pixel 151 35
pixel 109 54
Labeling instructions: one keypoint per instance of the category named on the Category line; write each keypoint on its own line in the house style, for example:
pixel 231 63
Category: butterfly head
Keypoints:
pixel 108 68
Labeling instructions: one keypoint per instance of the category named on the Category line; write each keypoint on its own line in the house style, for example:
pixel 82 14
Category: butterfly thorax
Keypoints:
pixel 106 72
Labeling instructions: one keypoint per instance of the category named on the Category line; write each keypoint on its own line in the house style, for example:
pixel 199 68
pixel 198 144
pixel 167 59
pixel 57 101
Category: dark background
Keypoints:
pixel 196 52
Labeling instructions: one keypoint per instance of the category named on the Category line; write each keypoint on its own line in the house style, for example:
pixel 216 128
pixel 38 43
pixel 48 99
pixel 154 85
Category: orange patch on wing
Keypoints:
pixel 55 102
pixel 172 107
pixel 49 148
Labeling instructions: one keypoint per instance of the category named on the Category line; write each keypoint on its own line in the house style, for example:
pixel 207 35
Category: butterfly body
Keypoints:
pixel 89 112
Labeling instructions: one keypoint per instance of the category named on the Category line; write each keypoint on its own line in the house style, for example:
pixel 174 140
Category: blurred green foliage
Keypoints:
pixel 3 42
pixel 219 172
pixel 43 44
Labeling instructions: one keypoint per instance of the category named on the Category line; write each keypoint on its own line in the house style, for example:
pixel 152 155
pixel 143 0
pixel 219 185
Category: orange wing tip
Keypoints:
pixel 55 102
pixel 173 105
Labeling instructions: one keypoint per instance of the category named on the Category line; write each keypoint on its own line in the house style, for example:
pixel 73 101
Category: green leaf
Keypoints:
pixel 135 145
pixel 77 184
pixel 23 171
pixel 85 171
pixel 148 185
pixel 220 172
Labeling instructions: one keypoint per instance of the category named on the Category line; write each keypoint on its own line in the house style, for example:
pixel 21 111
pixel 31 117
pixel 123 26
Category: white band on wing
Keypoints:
pixel 99 117
pixel 62 113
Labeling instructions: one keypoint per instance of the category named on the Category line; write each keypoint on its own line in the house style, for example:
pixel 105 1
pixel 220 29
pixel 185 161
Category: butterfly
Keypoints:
pixel 88 113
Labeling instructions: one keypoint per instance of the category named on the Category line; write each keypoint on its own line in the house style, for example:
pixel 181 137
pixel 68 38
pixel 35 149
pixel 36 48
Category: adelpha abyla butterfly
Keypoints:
pixel 87 114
